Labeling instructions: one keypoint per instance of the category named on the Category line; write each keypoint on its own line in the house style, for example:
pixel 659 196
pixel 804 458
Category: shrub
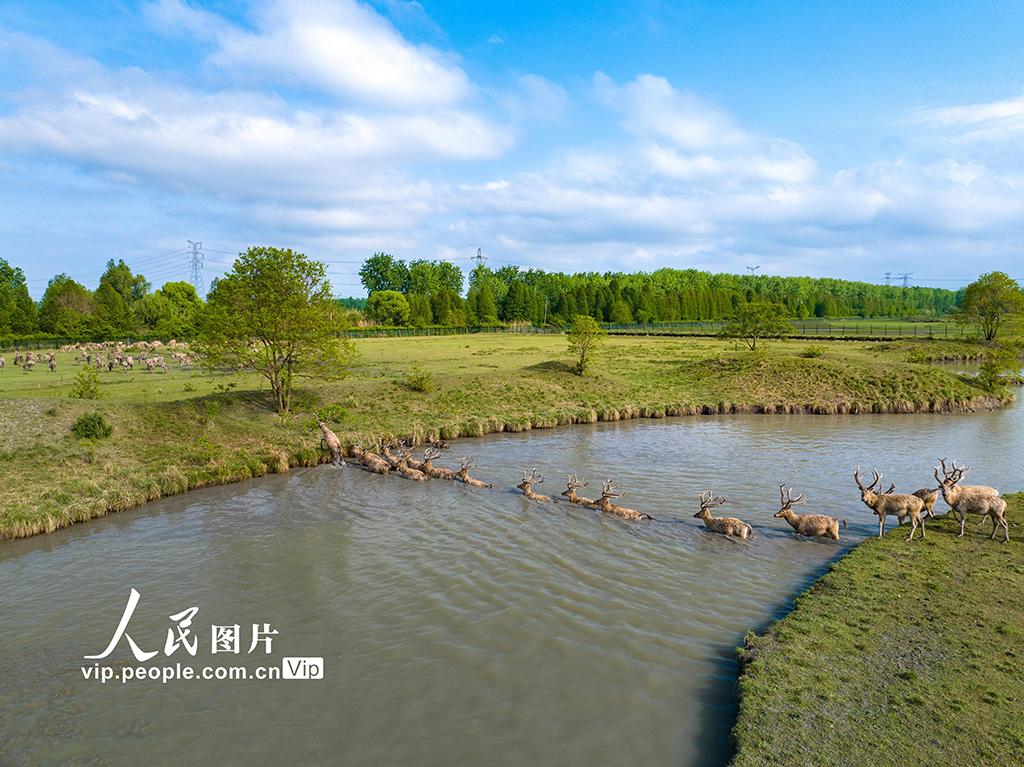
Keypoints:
pixel 92 426
pixel 813 351
pixel 87 384
pixel 332 414
pixel 420 379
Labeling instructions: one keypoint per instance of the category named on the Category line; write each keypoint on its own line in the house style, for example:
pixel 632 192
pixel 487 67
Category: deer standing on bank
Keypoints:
pixel 899 505
pixel 819 525
pixel 960 472
pixel 972 500
pixel 724 525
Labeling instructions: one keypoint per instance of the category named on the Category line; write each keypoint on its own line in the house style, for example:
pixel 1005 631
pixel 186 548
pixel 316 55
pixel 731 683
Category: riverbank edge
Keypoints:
pixel 171 482
pixel 838 604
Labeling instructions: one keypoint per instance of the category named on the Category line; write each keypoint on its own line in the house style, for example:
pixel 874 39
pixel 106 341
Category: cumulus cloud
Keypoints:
pixel 342 47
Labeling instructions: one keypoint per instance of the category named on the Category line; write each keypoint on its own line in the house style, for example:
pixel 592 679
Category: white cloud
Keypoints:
pixel 994 121
pixel 345 48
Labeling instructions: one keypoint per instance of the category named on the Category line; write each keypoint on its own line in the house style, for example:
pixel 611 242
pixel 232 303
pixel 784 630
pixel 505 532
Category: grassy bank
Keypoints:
pixel 902 654
pixel 184 429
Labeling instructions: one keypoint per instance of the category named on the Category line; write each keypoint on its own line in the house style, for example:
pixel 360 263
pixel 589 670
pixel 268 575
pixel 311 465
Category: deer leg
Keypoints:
pixel 963 521
pixel 913 529
pixel 881 525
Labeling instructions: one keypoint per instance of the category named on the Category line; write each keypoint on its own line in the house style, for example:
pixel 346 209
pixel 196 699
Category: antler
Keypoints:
pixel 573 483
pixel 535 478
pixel 431 453
pixel 710 502
pixel 787 497
pixel 606 490
pixel 466 465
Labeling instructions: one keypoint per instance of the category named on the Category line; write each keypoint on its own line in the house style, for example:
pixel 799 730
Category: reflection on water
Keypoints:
pixel 458 625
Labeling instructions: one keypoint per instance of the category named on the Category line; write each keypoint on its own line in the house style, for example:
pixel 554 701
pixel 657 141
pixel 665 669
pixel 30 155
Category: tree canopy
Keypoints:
pixel 273 314
pixel 585 337
pixel 758 321
pixel 994 301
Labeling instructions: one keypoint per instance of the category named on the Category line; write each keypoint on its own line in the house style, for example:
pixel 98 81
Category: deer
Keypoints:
pixel 525 486
pixel 401 468
pixel 898 504
pixel 966 500
pixel 724 525
pixel 463 473
pixel 385 451
pixel 606 505
pixel 959 472
pixel 430 470
pixel 372 461
pixel 819 525
pixel 330 439
pixel 570 492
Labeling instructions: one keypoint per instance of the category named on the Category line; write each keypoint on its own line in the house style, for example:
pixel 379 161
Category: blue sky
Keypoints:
pixel 824 139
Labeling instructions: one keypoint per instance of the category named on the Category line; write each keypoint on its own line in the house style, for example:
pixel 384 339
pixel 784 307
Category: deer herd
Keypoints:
pixel 917 506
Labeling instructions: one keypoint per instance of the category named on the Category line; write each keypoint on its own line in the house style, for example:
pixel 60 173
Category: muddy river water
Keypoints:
pixel 456 625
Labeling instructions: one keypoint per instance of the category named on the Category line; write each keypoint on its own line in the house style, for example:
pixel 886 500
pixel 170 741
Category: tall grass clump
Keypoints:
pixel 92 426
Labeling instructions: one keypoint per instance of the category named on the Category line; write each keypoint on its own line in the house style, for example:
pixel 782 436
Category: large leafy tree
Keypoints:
pixel 66 308
pixel 757 321
pixel 382 271
pixel 273 314
pixel 994 301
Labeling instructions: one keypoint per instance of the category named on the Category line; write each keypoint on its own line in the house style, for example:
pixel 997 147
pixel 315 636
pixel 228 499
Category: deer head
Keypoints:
pixel 788 501
pixel 706 504
pixel 867 492
pixel 467 465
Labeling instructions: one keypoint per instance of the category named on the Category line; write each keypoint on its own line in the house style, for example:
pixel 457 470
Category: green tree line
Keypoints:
pixel 428 293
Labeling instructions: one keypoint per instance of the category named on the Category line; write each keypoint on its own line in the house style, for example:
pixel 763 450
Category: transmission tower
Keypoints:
pixel 479 258
pixel 753 270
pixel 197 265
pixel 905 276
pixel 888 279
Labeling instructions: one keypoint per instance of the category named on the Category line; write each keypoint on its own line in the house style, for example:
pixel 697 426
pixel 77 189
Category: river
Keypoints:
pixel 457 625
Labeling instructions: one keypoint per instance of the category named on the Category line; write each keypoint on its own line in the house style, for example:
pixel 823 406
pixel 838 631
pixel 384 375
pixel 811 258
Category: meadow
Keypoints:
pixel 189 428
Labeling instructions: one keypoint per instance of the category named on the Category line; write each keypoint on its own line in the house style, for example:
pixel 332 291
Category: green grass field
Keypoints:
pixel 905 653
pixel 187 428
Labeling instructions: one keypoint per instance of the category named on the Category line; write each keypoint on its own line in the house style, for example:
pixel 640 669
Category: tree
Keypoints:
pixel 994 301
pixel 585 337
pixel 273 314
pixel 388 307
pixel 130 287
pixel 17 309
pixel 66 308
pixel 757 321
pixel 382 271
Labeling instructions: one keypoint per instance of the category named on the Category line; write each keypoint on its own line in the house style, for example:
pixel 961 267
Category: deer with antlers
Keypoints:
pixel 385 450
pixel 570 492
pixel 819 525
pixel 899 505
pixel 724 525
pixel 958 473
pixel 463 473
pixel 525 486
pixel 371 461
pixel 403 469
pixel 968 499
pixel 605 503
pixel 330 439
pixel 430 470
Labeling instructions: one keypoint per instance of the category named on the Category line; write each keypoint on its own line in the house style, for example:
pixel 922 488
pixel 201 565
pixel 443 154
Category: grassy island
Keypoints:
pixel 186 428
pixel 904 653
